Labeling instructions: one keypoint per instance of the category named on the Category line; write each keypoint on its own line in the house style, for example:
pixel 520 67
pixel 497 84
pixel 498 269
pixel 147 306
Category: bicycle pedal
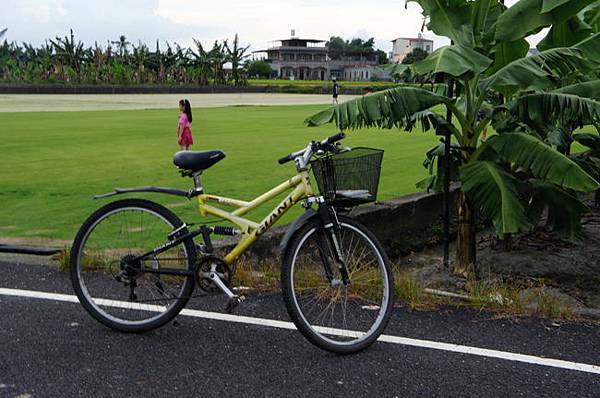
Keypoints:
pixel 233 303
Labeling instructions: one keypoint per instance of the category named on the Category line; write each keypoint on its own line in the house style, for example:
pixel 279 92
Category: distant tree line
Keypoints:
pixel 67 60
pixel 340 48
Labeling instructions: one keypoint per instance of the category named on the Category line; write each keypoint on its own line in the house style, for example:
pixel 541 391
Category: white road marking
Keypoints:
pixel 484 352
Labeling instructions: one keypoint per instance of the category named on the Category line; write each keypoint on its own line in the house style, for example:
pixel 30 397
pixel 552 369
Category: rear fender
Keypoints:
pixel 167 191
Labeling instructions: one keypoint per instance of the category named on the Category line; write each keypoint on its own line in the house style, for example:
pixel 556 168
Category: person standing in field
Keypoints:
pixel 336 90
pixel 184 127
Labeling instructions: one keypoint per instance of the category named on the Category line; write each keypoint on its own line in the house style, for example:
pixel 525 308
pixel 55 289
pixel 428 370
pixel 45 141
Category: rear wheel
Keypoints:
pixel 338 317
pixel 114 287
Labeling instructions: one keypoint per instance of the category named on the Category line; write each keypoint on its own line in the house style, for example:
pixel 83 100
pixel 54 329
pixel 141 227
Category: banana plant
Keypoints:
pixel 236 55
pixel 589 159
pixel 69 52
pixel 201 62
pixel 488 59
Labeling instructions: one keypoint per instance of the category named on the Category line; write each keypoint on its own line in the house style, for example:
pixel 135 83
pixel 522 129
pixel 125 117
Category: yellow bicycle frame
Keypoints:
pixel 301 189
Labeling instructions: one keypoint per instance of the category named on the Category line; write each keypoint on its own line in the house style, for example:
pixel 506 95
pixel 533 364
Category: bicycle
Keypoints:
pixel 134 263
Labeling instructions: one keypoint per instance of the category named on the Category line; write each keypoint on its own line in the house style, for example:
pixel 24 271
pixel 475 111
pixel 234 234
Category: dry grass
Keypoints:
pixel 263 277
pixel 410 293
pixel 63 259
pixel 530 298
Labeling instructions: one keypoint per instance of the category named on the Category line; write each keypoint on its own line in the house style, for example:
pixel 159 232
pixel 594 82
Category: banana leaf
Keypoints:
pixel 543 161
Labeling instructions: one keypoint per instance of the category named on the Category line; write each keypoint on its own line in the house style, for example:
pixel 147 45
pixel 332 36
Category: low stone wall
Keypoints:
pixel 159 89
pixel 121 89
pixel 402 225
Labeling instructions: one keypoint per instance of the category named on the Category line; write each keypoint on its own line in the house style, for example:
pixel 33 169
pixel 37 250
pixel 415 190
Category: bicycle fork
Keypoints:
pixel 331 230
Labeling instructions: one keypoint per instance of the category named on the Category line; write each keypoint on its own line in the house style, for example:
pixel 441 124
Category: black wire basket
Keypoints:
pixel 349 178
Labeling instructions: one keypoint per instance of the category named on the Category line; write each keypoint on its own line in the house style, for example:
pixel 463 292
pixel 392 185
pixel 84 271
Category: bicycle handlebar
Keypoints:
pixel 335 138
pixel 285 159
pixel 328 141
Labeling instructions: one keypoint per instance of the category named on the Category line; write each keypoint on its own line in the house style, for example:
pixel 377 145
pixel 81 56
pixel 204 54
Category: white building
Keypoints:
pixel 309 59
pixel 404 45
pixel 358 73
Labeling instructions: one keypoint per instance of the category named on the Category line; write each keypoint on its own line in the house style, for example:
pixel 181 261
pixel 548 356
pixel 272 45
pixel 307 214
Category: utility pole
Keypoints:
pixel 447 145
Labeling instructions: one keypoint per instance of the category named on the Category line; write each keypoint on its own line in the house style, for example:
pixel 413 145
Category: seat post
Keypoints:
pixel 198 189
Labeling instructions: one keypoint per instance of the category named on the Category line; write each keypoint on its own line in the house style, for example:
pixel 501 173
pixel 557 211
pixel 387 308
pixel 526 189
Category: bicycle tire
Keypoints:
pixel 93 305
pixel 317 334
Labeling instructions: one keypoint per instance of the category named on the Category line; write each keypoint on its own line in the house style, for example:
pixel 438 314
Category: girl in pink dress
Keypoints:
pixel 184 128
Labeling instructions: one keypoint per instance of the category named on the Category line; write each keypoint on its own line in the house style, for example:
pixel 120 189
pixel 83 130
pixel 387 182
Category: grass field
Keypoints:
pixel 54 162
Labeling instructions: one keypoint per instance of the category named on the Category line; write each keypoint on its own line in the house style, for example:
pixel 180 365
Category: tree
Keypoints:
pixel 382 57
pixel 140 58
pixel 122 46
pixel 235 55
pixel 336 47
pixel 201 62
pixel 69 53
pixel 339 48
pixel 217 58
pixel 416 55
pixel 259 69
pixel 488 61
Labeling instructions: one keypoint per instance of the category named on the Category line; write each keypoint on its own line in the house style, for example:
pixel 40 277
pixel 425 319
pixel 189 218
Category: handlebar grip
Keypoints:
pixel 285 159
pixel 335 138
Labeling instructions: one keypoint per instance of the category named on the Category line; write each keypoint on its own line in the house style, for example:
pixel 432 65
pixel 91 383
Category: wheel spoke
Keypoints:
pixel 105 265
pixel 339 315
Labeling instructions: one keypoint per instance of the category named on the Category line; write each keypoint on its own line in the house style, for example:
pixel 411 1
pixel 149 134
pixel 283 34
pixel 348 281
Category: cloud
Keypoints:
pixel 261 21
pixel 35 21
pixel 258 22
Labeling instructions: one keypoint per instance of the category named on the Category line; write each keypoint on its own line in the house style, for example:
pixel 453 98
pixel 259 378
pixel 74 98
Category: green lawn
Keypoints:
pixel 54 162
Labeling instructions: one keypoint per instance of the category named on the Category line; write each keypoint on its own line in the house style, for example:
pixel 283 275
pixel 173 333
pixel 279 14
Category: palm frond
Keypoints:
pixel 454 60
pixel 449 18
pixel 589 89
pixel 545 108
pixel 538 71
pixel 494 191
pixel 529 16
pixel 565 208
pixel 543 161
pixel 589 48
pixel 384 109
pixel 592 141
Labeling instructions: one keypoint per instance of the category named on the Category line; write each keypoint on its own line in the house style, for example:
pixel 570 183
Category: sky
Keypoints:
pixel 258 22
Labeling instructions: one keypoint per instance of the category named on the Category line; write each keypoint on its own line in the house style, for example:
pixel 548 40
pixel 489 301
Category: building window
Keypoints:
pixel 367 75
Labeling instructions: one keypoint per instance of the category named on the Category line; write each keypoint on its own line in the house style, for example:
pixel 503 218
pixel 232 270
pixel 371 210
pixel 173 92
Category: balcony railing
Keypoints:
pixel 298 64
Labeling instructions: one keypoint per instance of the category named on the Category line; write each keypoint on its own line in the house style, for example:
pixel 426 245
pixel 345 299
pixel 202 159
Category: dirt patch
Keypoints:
pixel 536 260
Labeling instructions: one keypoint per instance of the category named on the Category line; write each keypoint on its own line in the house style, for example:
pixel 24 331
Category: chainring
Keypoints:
pixel 210 263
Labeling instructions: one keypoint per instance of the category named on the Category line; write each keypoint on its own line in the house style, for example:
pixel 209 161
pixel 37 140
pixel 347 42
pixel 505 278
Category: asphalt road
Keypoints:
pixel 52 348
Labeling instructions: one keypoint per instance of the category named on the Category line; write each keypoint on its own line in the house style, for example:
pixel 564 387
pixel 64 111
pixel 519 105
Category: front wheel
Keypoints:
pixel 337 316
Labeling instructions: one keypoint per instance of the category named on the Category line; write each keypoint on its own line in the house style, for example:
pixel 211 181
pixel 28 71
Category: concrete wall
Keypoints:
pixel 116 89
pixel 409 223
pixel 122 89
